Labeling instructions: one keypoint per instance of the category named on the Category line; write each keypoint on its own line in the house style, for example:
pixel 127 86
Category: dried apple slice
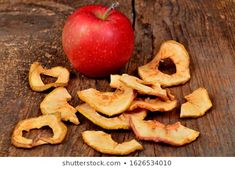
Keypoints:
pixel 198 104
pixel 36 83
pixel 57 101
pixel 178 54
pixel 103 142
pixel 113 123
pixel 51 120
pixel 115 81
pixel 108 103
pixel 152 130
pixel 153 104
pixel 143 87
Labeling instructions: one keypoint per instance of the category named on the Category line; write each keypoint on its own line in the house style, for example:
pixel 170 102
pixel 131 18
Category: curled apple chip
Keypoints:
pixel 178 54
pixel 174 134
pixel 143 87
pixel 57 101
pixel 113 123
pixel 51 120
pixel 103 142
pixel 153 104
pixel 115 81
pixel 36 83
pixel 197 104
pixel 108 103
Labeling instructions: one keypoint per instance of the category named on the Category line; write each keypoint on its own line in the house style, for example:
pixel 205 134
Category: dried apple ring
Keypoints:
pixel 152 130
pixel 178 54
pixel 108 103
pixel 103 142
pixel 36 83
pixel 198 103
pixel 113 123
pixel 143 87
pixel 57 101
pixel 51 120
pixel 153 104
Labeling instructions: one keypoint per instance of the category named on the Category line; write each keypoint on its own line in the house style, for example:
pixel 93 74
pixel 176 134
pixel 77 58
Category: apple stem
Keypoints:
pixel 112 6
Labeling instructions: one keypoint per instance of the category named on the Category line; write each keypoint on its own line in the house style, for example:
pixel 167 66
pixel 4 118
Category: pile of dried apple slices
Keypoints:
pixel 55 108
pixel 121 109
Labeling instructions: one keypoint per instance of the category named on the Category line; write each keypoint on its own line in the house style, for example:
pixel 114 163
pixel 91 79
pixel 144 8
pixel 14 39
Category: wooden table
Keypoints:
pixel 31 31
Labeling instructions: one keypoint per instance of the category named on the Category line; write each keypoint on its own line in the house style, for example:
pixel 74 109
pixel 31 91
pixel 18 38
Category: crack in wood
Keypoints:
pixel 133 13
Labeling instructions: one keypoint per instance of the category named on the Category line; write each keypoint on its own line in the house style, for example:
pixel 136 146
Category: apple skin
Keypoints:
pixel 97 47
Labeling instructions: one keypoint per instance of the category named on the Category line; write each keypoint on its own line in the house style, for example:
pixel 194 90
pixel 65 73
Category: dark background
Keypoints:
pixel 31 31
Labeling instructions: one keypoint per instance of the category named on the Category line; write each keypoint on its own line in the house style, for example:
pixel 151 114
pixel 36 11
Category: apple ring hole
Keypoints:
pixel 33 134
pixel 167 66
pixel 47 79
pixel 116 136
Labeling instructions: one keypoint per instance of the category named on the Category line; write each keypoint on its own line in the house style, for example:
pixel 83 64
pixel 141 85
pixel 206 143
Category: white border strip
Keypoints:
pixel 116 162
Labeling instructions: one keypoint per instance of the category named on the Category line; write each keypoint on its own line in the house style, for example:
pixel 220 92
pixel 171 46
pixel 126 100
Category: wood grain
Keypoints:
pixel 31 31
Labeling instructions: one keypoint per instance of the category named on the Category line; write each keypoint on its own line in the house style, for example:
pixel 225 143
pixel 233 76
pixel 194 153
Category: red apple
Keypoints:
pixel 98 40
